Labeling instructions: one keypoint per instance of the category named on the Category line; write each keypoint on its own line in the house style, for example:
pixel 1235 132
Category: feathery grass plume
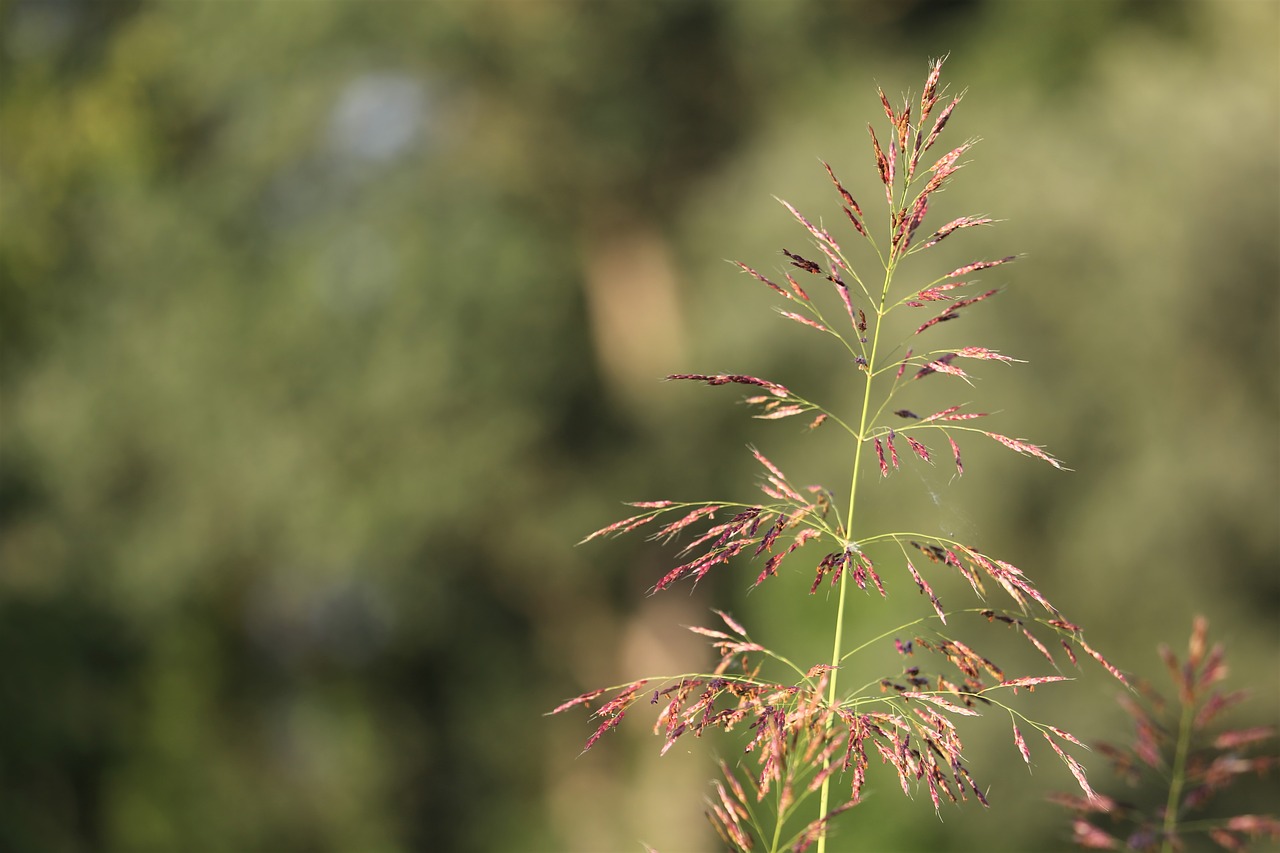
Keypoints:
pixel 806 735
pixel 1179 766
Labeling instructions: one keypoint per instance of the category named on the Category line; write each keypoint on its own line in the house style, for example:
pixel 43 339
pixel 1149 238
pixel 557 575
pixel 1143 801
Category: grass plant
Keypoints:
pixel 1180 765
pixel 809 734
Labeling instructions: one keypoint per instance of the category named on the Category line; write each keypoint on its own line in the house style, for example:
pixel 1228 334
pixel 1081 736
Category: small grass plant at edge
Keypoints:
pixel 809 737
pixel 1180 765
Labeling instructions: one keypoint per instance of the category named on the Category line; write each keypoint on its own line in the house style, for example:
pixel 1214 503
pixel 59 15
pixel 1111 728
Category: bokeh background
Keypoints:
pixel 327 329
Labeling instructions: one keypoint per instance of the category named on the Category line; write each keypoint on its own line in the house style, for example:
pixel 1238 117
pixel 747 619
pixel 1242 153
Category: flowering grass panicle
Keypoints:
pixel 810 741
pixel 1186 762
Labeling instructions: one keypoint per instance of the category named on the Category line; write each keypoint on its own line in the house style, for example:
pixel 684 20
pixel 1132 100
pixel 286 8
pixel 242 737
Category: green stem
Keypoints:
pixel 838 640
pixel 1179 775
pixel 777 825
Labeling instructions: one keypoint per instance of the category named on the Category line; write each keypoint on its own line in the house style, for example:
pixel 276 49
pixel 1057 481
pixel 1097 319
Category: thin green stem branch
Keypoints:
pixel 777 825
pixel 1171 805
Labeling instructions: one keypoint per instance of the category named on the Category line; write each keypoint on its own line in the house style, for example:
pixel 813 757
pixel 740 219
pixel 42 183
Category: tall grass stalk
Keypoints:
pixel 805 729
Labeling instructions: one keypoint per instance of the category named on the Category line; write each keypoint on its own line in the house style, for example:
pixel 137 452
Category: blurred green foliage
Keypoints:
pixel 327 328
